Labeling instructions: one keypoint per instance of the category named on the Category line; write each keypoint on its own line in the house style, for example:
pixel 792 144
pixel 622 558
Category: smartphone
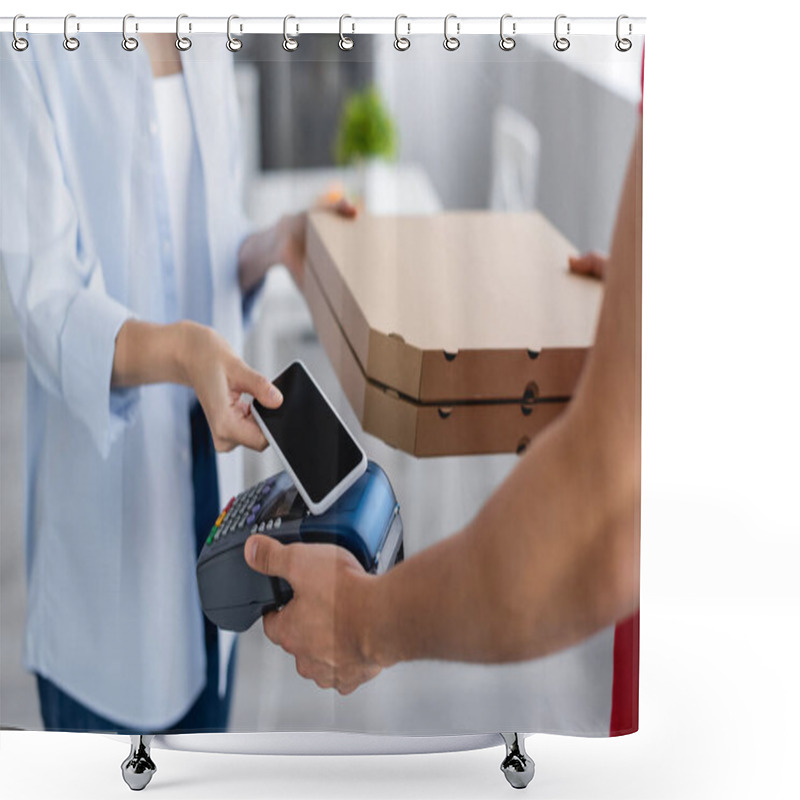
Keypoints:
pixel 318 451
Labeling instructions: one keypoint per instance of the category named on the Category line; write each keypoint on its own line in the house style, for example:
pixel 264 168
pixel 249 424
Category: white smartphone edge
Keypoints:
pixel 323 505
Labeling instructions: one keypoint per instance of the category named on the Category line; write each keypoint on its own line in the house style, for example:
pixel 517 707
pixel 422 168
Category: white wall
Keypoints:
pixel 584 102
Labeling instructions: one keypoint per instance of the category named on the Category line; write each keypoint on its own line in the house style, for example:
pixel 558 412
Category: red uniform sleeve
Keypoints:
pixel 641 102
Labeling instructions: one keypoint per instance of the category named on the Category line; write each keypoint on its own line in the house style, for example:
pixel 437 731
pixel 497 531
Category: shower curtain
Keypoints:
pixel 438 313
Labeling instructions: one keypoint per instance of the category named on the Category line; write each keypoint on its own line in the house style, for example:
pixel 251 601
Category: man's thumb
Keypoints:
pixel 267 555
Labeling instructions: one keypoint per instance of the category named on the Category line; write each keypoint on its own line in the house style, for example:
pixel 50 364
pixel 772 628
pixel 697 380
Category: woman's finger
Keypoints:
pixel 241 429
pixel 254 383
pixel 344 208
pixel 339 205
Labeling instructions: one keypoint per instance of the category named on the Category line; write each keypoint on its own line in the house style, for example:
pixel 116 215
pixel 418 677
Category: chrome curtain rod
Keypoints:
pixel 297 26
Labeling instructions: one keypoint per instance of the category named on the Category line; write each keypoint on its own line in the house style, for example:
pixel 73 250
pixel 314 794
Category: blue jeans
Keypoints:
pixel 209 714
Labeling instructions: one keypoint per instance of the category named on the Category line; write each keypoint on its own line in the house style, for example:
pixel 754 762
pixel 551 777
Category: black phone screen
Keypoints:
pixel 319 449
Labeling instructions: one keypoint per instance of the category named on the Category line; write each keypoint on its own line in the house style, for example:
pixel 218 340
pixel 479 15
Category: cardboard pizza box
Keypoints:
pixel 457 307
pixel 419 428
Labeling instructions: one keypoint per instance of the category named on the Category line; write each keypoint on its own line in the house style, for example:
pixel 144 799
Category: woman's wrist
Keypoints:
pixel 180 344
pixel 287 232
pixel 146 352
pixel 191 348
pixel 259 251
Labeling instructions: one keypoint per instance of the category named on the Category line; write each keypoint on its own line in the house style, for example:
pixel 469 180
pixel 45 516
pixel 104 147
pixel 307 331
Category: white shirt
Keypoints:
pixel 182 176
pixel 178 154
pixel 113 615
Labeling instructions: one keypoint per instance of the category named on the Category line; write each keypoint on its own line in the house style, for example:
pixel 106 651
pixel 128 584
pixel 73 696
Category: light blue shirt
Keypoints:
pixel 113 613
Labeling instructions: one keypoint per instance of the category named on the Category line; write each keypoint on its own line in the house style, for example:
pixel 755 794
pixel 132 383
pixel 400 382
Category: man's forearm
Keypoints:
pixel 548 561
pixel 553 556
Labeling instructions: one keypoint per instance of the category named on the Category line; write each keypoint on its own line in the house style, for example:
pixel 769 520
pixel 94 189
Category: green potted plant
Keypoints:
pixel 366 139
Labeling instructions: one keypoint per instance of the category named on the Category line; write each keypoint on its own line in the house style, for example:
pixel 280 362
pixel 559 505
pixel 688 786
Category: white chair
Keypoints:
pixel 515 161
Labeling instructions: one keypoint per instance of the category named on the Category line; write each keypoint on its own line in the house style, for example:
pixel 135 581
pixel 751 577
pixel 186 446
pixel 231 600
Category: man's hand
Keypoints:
pixel 321 626
pixel 592 264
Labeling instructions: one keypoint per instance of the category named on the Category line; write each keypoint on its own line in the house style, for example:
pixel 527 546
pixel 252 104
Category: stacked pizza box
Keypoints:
pixel 451 334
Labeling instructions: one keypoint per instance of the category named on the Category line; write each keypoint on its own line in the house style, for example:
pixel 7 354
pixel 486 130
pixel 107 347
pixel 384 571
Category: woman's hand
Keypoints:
pixel 322 626
pixel 283 243
pixel 291 235
pixel 196 356
pixel 219 377
pixel 592 264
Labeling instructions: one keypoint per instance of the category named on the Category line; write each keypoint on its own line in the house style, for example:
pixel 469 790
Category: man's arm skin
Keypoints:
pixel 553 555
pixel 551 558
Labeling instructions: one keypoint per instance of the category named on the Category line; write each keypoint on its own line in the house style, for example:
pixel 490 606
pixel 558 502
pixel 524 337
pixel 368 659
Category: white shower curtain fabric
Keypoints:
pixel 443 325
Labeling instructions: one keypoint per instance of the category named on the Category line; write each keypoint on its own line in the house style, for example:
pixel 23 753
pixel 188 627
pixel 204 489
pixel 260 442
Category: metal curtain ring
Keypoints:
pixel 401 42
pixel 233 44
pixel 451 42
pixel 182 42
pixel 561 43
pixel 507 42
pixel 70 42
pixel 289 44
pixel 129 43
pixel 345 42
pixel 18 43
pixel 623 45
